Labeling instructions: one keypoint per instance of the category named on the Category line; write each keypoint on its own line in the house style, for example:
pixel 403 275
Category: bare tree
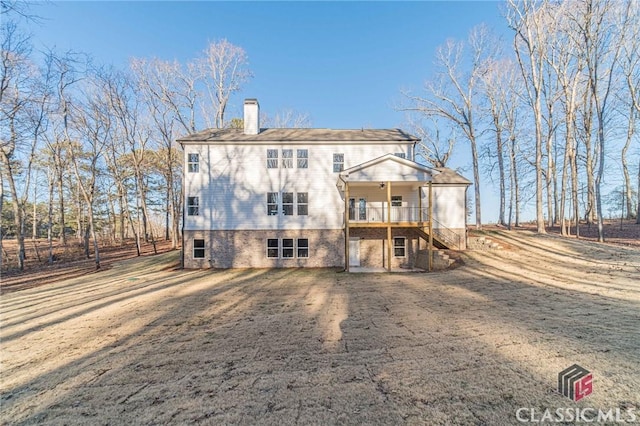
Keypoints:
pixel 630 68
pixel 18 136
pixel 170 99
pixel 126 112
pixel 223 70
pixel 638 210
pixel 453 96
pixel 92 122
pixel 497 83
pixel 603 28
pixel 286 119
pixel 532 23
pixel 434 148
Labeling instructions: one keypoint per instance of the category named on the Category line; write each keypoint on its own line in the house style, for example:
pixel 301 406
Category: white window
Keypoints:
pixel 287 198
pixel 272 159
pixel 303 247
pixel 287 248
pixel 400 154
pixel 338 163
pixel 287 159
pixel 303 158
pixel 303 203
pixel 396 200
pixel 193 163
pixel 193 206
pixel 287 203
pixel 198 249
pixel 399 246
pixel 273 248
pixel 272 203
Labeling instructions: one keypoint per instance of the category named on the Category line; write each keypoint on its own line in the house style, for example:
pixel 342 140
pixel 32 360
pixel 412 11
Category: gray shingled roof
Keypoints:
pixel 300 135
pixel 447 175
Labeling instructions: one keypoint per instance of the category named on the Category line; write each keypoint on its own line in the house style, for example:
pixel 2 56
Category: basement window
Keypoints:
pixel 287 248
pixel 198 249
pixel 399 246
pixel 273 247
pixel 303 247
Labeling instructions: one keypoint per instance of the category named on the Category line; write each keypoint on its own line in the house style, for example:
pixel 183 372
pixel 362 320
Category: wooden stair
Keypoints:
pixel 436 241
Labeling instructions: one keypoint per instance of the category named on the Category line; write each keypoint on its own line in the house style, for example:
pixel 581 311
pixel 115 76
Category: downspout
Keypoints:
pixel 389 238
pixel 182 184
pixel 346 223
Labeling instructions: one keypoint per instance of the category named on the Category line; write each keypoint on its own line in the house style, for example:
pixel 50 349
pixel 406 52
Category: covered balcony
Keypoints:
pixel 387 192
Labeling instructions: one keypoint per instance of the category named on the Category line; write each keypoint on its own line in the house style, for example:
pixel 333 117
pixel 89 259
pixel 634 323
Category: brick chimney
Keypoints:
pixel 251 117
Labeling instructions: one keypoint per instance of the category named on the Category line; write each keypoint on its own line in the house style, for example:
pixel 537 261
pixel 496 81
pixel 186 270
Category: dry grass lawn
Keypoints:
pixel 142 343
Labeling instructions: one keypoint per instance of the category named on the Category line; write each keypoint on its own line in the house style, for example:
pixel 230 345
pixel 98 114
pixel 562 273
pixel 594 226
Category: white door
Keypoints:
pixel 354 252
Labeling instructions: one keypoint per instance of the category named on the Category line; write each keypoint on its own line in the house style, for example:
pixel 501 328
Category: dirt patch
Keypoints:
pixel 139 344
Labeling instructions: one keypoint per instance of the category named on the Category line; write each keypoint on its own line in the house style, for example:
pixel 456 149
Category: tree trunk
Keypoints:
pixel 85 242
pixel 1 205
pixel 625 167
pixel 638 192
pixel 590 209
pixel 63 233
pixel 34 225
pixel 91 227
pixel 539 205
pixel 598 182
pixel 516 188
pixel 565 230
pixel 499 149
pixel 574 190
pixel 18 219
pixel 476 179
pixel 50 218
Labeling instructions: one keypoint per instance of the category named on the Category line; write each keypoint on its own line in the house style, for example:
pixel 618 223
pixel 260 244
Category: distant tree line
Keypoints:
pixel 88 152
pixel 550 114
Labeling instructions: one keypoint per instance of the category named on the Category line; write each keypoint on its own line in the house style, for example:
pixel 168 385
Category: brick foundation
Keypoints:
pixel 248 249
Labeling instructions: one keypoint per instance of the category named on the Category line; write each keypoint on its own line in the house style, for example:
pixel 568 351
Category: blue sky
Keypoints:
pixel 343 63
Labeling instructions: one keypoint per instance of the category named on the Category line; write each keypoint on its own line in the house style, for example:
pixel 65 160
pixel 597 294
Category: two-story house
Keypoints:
pixel 314 198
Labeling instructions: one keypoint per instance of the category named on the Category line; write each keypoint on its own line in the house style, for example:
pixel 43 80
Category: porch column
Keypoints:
pixel 420 217
pixel 389 226
pixel 346 226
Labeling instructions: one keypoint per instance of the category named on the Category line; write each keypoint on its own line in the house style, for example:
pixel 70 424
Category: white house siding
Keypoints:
pixel 449 206
pixel 449 211
pixel 233 183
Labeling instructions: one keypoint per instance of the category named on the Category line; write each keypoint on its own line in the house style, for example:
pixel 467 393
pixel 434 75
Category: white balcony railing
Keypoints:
pixel 370 214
